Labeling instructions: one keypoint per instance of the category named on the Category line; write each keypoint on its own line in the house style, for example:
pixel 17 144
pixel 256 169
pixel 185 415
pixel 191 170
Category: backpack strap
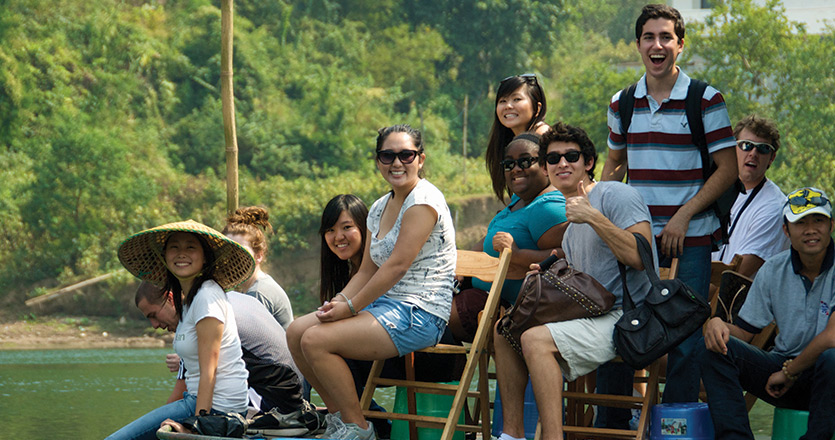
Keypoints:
pixel 626 103
pixel 693 108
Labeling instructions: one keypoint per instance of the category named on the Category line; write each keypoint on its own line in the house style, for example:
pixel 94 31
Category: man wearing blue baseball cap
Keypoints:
pixel 796 289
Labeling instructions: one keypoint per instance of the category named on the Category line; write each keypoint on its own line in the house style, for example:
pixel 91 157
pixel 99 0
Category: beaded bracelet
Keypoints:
pixel 786 370
pixel 350 303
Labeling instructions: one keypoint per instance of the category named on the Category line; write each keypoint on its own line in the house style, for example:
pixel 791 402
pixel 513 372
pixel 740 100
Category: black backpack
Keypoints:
pixel 693 108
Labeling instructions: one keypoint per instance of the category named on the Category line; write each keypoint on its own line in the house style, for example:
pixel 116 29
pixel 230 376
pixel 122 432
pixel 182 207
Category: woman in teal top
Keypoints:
pixel 531 225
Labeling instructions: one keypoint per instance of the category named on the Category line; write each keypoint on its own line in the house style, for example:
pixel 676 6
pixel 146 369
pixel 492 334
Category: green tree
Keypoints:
pixel 743 71
pixel 788 75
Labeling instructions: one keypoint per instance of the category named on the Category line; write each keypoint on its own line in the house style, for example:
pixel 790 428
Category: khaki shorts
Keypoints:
pixel 584 344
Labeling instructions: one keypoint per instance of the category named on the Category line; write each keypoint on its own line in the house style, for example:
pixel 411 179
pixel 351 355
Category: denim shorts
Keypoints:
pixel 409 327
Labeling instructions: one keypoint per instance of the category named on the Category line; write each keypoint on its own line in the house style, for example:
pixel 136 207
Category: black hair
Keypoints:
pixel 150 293
pixel 500 136
pixel 653 11
pixel 562 132
pixel 334 272
pixel 413 133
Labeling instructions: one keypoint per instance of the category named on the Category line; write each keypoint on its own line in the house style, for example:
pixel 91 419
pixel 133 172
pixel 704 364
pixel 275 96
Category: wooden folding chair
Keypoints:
pixel 471 264
pixel 716 270
pixel 579 396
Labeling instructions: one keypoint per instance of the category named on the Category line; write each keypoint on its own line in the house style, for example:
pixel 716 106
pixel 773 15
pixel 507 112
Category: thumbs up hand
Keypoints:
pixel 577 208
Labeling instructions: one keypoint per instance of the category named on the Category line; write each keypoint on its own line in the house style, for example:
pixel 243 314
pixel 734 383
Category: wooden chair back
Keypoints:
pixel 486 268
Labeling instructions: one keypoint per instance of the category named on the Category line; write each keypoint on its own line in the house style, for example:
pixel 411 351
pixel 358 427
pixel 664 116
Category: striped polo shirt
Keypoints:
pixel 663 163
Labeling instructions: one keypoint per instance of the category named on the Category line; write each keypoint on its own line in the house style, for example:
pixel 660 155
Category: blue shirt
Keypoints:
pixel 526 225
pixel 782 294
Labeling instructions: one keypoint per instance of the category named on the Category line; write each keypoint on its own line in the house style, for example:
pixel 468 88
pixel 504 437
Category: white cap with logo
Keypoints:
pixel 805 201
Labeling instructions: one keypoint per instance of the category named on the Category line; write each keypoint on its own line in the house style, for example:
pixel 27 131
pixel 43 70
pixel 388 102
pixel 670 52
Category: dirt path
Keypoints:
pixel 79 332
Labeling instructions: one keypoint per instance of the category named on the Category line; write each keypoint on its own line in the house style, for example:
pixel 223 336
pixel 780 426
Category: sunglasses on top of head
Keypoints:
pixel 762 147
pixel 526 76
pixel 804 199
pixel 523 163
pixel 570 156
pixel 386 157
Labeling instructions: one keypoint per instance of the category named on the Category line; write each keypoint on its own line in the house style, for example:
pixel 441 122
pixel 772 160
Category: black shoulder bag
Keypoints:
pixel 671 312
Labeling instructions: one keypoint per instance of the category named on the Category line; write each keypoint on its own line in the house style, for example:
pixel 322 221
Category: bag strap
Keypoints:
pixel 693 109
pixel 745 205
pixel 739 214
pixel 626 104
pixel 645 251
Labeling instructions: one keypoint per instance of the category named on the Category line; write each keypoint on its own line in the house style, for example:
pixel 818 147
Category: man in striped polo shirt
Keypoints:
pixel 666 168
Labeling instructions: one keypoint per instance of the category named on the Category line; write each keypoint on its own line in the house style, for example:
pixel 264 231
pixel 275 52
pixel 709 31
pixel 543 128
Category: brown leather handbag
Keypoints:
pixel 557 293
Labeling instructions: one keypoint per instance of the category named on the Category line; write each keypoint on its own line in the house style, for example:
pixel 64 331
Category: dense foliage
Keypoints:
pixel 110 115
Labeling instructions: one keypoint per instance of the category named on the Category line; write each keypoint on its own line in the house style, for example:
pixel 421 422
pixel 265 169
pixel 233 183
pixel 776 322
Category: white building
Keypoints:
pixel 815 14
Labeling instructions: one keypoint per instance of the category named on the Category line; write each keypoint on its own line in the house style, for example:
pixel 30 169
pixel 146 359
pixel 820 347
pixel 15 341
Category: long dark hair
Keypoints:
pixel 500 135
pixel 172 284
pixel 334 272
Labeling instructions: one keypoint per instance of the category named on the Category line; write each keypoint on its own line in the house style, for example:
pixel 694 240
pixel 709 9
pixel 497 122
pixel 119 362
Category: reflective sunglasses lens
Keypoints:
pixel 762 148
pixel 523 163
pixel 803 201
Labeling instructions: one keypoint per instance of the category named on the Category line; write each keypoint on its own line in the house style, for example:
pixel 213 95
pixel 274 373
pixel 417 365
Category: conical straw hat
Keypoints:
pixel 142 254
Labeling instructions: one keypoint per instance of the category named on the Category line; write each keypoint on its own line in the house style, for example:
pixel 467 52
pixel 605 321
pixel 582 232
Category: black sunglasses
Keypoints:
pixel 762 147
pixel 570 156
pixel 523 162
pixel 525 76
pixel 386 157
pixel 803 200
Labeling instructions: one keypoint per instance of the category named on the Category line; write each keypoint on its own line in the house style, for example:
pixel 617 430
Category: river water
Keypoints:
pixel 88 394
pixel 78 394
pixel 85 394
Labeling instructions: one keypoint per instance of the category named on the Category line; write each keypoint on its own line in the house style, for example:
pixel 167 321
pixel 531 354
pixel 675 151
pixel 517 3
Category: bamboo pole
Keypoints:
pixel 228 101
pixel 464 152
pixel 64 290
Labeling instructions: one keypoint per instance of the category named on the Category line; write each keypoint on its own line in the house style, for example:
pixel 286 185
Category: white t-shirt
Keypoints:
pixel 759 230
pixel 230 393
pixel 428 282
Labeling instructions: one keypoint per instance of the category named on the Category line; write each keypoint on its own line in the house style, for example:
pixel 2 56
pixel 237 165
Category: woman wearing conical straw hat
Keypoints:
pixel 197 264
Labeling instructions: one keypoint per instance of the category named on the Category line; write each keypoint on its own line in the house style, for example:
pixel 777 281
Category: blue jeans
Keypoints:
pixel 746 367
pixel 409 327
pixel 145 427
pixel 682 369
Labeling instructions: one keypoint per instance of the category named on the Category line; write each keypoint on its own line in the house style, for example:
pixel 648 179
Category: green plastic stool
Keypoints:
pixel 789 424
pixel 436 405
